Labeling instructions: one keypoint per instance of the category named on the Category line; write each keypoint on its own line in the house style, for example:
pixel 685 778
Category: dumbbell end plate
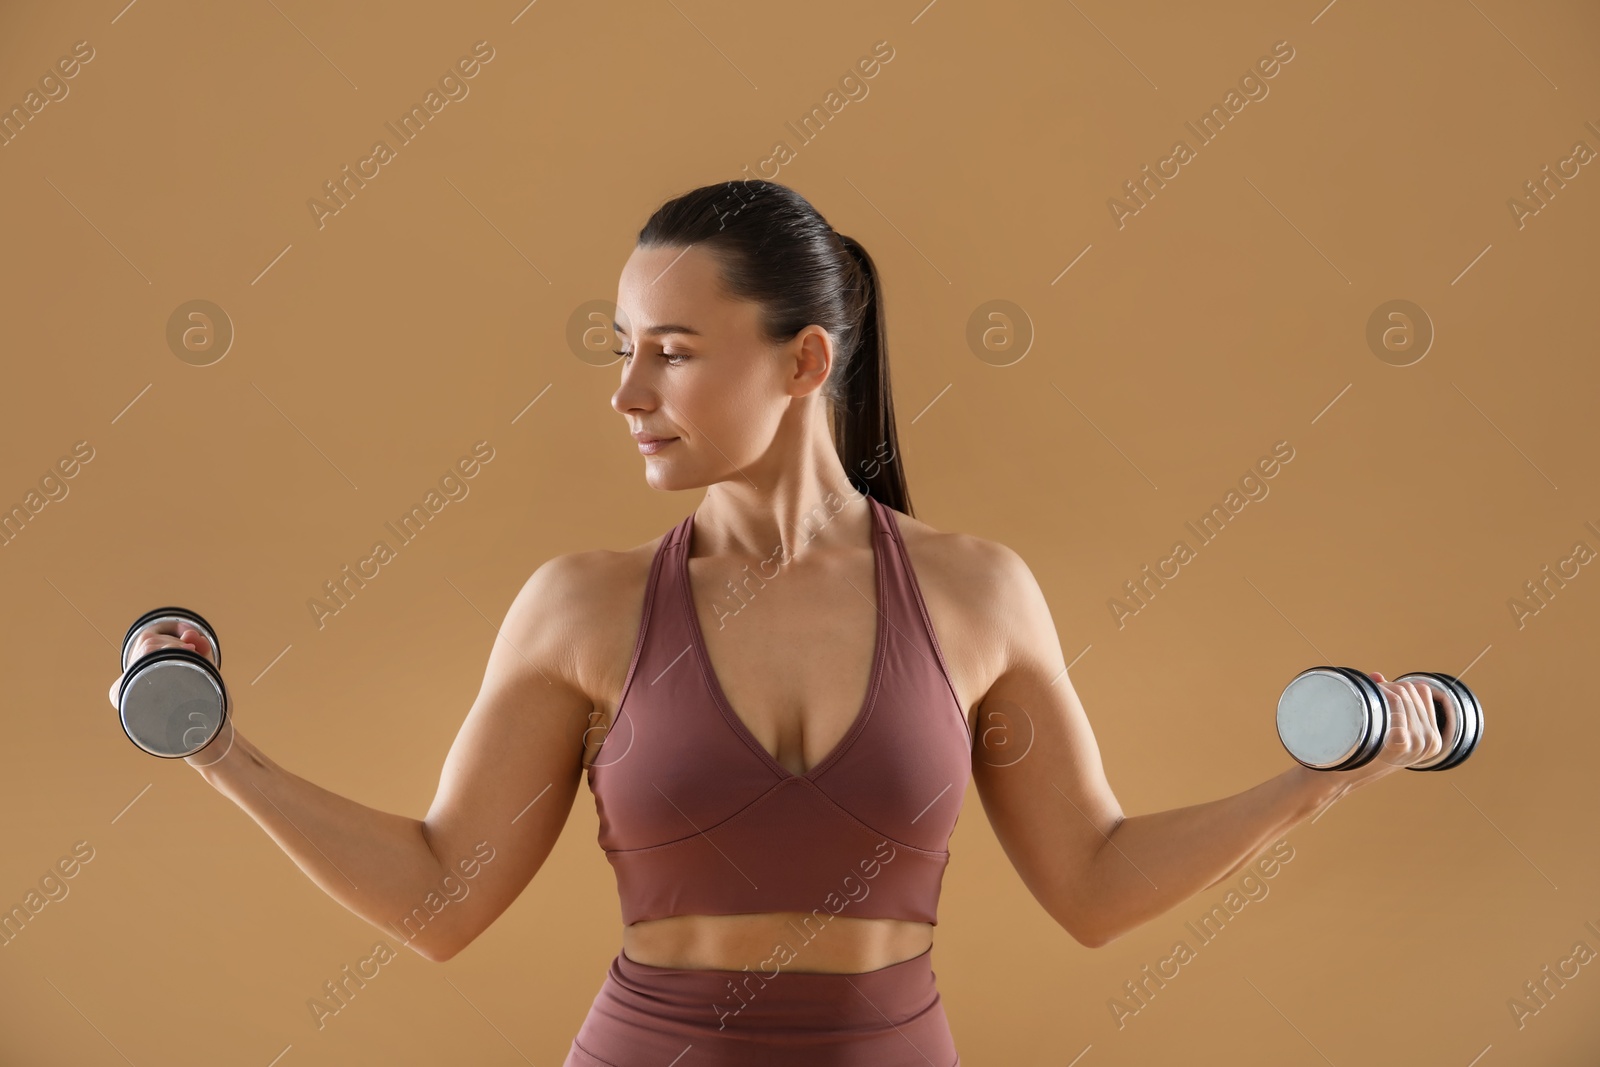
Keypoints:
pixel 1324 719
pixel 172 703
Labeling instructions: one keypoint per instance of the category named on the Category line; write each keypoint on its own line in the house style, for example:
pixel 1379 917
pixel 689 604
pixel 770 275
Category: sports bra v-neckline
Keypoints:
pixel 696 818
pixel 714 684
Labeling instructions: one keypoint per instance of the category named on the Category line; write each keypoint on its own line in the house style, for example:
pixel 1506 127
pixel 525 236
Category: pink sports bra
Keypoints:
pixel 696 818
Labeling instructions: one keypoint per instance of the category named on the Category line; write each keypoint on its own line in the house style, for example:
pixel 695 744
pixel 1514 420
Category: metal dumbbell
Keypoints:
pixel 171 701
pixel 1336 718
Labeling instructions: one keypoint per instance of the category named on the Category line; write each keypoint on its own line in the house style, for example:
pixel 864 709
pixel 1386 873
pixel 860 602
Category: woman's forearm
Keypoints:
pixel 1150 863
pixel 377 864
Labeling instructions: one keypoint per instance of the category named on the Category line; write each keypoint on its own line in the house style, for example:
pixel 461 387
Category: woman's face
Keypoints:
pixel 699 373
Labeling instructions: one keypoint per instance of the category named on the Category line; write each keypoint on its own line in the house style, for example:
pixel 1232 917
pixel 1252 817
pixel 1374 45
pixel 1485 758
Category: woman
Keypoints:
pixel 777 702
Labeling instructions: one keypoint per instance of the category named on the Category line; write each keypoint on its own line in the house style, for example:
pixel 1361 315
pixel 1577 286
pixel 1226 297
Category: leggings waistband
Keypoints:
pixel 786 999
pixel 711 1017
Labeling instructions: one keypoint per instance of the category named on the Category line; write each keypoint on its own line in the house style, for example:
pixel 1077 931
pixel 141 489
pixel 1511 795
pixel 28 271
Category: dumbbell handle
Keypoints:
pixel 171 614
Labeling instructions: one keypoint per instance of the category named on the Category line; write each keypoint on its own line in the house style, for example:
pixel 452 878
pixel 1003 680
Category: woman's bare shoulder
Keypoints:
pixel 591 585
pixel 599 595
pixel 967 563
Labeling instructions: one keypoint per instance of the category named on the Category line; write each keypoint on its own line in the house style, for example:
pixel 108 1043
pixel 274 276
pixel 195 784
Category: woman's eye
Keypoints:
pixel 673 358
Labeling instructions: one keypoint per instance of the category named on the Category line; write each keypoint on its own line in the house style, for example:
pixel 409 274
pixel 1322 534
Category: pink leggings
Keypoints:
pixel 648 1016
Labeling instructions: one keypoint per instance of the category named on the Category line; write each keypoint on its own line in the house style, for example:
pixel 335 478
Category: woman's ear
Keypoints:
pixel 813 353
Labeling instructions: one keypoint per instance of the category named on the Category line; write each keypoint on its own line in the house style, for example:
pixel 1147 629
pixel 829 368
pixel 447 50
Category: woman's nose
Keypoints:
pixel 631 396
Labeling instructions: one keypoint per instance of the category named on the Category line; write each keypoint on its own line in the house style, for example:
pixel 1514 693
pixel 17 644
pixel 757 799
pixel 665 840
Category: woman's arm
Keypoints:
pixel 436 883
pixel 1098 872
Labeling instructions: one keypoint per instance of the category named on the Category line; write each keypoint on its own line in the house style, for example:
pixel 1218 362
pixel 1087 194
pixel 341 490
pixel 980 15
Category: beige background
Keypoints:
pixel 1229 314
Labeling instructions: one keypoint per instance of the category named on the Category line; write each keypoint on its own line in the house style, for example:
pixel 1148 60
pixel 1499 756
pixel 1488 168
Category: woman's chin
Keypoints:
pixel 658 476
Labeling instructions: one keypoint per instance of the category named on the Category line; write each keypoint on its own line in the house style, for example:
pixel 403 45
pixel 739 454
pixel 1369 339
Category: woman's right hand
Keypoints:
pixel 1413 734
pixel 171 633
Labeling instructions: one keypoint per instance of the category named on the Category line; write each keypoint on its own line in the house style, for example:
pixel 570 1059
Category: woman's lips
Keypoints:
pixel 650 448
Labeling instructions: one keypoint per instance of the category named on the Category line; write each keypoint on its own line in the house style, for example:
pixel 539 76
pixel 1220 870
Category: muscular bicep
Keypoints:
pixel 509 779
pixel 1036 764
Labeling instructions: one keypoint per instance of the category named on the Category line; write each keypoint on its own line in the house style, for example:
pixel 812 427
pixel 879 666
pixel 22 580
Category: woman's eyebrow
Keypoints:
pixel 657 331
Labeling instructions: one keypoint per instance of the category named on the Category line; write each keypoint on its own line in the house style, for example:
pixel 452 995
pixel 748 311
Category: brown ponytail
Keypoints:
pixel 864 431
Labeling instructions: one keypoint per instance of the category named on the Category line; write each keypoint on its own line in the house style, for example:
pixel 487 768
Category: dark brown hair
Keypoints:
pixel 777 251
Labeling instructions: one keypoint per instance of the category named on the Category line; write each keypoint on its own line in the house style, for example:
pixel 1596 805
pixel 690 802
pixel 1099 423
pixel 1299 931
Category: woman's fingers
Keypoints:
pixel 1429 714
pixel 1452 718
pixel 1430 719
pixel 165 635
pixel 1403 737
pixel 197 641
pixel 1423 741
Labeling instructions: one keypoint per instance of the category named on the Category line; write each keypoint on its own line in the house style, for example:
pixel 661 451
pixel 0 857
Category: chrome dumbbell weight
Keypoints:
pixel 1336 718
pixel 171 701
